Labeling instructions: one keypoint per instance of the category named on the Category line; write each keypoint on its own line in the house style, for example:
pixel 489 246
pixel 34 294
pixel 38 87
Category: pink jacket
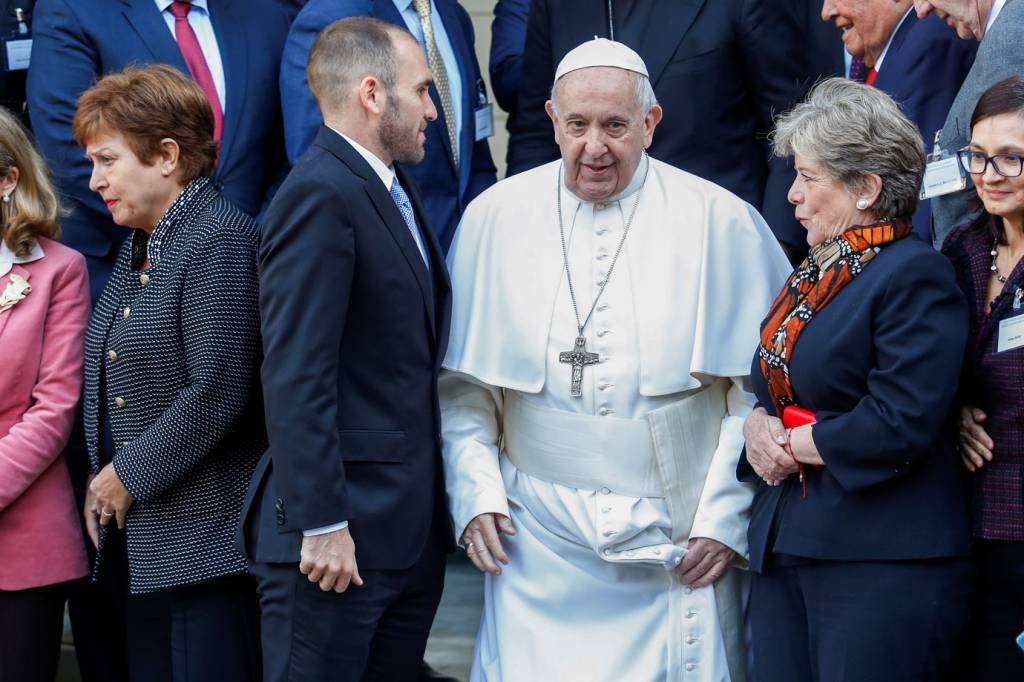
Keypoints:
pixel 41 541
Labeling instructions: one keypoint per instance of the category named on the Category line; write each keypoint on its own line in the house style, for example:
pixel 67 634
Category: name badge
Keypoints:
pixel 484 122
pixel 1011 334
pixel 942 177
pixel 17 53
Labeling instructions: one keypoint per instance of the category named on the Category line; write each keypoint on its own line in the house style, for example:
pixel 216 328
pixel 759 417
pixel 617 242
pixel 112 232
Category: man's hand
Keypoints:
pixel 483 544
pixel 975 443
pixel 112 499
pixel 766 443
pixel 91 512
pixel 330 560
pixel 705 562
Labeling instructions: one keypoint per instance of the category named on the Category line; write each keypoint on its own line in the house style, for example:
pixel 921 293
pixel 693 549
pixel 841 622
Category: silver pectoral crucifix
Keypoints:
pixel 578 357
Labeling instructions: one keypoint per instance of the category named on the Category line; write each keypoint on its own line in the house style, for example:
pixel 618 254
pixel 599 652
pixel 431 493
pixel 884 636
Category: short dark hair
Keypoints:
pixel 1005 97
pixel 347 51
pixel 147 105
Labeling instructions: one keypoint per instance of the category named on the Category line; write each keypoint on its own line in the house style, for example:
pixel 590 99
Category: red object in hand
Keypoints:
pixel 794 416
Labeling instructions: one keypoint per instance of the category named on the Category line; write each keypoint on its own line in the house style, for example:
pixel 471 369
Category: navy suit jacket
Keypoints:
pixel 923 70
pixel 508 39
pixel 354 331
pixel 446 190
pixel 880 365
pixel 721 70
pixel 78 41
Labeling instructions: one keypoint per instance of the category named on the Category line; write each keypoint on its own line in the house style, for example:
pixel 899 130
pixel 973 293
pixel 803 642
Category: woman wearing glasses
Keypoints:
pixel 986 255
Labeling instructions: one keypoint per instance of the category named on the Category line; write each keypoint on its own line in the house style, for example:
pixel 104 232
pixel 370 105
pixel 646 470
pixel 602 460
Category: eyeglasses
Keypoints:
pixel 976 163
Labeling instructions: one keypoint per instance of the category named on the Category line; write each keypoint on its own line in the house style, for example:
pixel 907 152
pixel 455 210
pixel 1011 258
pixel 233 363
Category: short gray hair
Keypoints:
pixel 347 51
pixel 854 130
pixel 643 92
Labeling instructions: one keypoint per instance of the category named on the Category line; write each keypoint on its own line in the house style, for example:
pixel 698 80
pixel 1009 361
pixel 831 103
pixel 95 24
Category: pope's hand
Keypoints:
pixel 483 542
pixel 330 560
pixel 766 442
pixel 705 562
pixel 112 499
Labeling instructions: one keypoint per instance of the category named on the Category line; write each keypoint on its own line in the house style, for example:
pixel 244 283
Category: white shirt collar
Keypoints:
pixel 162 5
pixel 997 7
pixel 885 51
pixel 385 172
pixel 8 258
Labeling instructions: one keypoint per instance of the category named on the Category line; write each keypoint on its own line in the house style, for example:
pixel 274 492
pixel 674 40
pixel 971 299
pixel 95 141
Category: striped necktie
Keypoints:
pixel 440 74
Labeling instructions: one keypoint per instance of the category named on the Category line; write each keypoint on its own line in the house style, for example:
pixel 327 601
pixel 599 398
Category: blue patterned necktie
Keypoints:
pixel 401 200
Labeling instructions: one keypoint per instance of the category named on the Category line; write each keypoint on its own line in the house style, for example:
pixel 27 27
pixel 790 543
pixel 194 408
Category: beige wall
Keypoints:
pixel 482 12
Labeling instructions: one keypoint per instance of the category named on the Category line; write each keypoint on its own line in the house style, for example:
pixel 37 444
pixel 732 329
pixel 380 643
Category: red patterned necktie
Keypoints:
pixel 196 62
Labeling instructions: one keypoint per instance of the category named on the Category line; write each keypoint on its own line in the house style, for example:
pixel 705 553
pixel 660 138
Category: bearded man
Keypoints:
pixel 606 307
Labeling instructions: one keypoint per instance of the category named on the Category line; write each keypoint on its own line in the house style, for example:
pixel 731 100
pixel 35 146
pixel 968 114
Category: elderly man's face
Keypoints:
pixel 600 130
pixel 968 17
pixel 866 24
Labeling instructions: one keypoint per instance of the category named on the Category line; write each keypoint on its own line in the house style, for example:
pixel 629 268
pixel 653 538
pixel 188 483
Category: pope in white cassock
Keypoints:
pixel 606 311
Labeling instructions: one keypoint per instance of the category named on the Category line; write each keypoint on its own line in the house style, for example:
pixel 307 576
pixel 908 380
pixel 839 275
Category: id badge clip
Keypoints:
pixel 484 113
pixel 943 173
pixel 17 48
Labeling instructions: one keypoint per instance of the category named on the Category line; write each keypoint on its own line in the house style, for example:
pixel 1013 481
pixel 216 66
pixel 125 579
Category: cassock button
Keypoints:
pixel 144 279
pixel 120 402
pixel 690 614
pixel 604 411
pixel 691 666
pixel 606 491
pixel 608 533
pixel 603 307
pixel 691 640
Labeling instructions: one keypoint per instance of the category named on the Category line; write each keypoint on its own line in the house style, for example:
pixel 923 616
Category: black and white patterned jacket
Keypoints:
pixel 172 362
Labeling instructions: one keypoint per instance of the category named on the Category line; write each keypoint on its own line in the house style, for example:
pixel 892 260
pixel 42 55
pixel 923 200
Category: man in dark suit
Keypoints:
pixel 77 42
pixel 722 67
pixel 346 522
pixel 12 77
pixel 920 63
pixel 451 175
pixel 508 38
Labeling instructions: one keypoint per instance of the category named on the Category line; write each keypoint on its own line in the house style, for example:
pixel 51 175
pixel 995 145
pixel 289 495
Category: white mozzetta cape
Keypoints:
pixel 704 264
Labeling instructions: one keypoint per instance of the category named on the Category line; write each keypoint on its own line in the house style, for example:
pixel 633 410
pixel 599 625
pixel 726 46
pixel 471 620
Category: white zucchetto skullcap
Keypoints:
pixel 601 52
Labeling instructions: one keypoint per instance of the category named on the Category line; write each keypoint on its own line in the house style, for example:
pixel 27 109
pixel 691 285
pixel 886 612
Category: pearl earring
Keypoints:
pixel 862 204
pixel 7 198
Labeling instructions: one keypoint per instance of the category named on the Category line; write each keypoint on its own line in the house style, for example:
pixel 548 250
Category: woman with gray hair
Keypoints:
pixel 859 534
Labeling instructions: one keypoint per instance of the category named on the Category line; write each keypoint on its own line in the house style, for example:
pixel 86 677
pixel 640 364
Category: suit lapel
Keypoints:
pixel 903 30
pixel 438 269
pixel 674 18
pixel 233 45
pixel 152 30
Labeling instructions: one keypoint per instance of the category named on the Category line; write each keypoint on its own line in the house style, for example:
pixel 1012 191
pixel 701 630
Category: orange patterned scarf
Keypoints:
pixel 815 282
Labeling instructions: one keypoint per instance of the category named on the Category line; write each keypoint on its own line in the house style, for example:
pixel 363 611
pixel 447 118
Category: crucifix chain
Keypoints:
pixel 578 357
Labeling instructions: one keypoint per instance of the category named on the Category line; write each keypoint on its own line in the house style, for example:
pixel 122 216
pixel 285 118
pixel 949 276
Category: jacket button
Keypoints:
pixel 112 355
pixel 126 312
pixel 120 402
pixel 144 279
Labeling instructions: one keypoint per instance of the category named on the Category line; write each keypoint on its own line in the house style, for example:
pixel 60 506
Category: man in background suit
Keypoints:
pixel 452 174
pixel 346 520
pixel 723 68
pixel 920 63
pixel 508 38
pixel 999 27
pixel 74 43
pixel 77 41
pixel 12 82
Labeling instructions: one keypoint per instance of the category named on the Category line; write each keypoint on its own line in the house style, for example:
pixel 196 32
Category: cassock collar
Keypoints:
pixel 634 184
pixel 8 258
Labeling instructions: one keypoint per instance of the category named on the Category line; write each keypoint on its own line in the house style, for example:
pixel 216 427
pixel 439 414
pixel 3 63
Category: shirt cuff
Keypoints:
pixel 323 530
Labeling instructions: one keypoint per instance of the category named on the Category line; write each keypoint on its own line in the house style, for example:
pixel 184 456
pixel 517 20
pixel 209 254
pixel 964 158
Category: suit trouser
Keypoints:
pixel 374 632
pixel 859 621
pixel 31 622
pixel 999 613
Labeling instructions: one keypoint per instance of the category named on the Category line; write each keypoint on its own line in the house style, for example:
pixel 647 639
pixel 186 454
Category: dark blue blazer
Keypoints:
pixel 880 367
pixel 78 41
pixel 354 331
pixel 922 71
pixel 508 40
pixel 721 69
pixel 446 190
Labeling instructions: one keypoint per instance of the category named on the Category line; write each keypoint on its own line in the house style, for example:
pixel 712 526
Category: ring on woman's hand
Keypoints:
pixel 469 549
pixel 106 513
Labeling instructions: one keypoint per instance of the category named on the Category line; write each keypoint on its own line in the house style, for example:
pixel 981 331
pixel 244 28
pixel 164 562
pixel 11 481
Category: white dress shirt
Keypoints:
pixel 997 7
pixel 199 20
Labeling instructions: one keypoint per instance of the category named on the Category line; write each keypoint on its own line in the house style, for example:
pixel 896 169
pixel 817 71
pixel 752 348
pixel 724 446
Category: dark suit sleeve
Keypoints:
pixel 64 64
pixel 307 259
pixel 220 333
pixel 531 140
pixel 775 64
pixel 920 331
pixel 483 173
pixel 508 38
pixel 298 108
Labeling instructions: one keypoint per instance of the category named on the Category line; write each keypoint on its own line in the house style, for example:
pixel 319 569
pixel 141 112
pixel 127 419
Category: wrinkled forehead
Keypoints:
pixel 598 88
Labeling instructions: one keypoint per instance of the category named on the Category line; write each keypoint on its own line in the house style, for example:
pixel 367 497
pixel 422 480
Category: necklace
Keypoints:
pixel 995 269
pixel 578 357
